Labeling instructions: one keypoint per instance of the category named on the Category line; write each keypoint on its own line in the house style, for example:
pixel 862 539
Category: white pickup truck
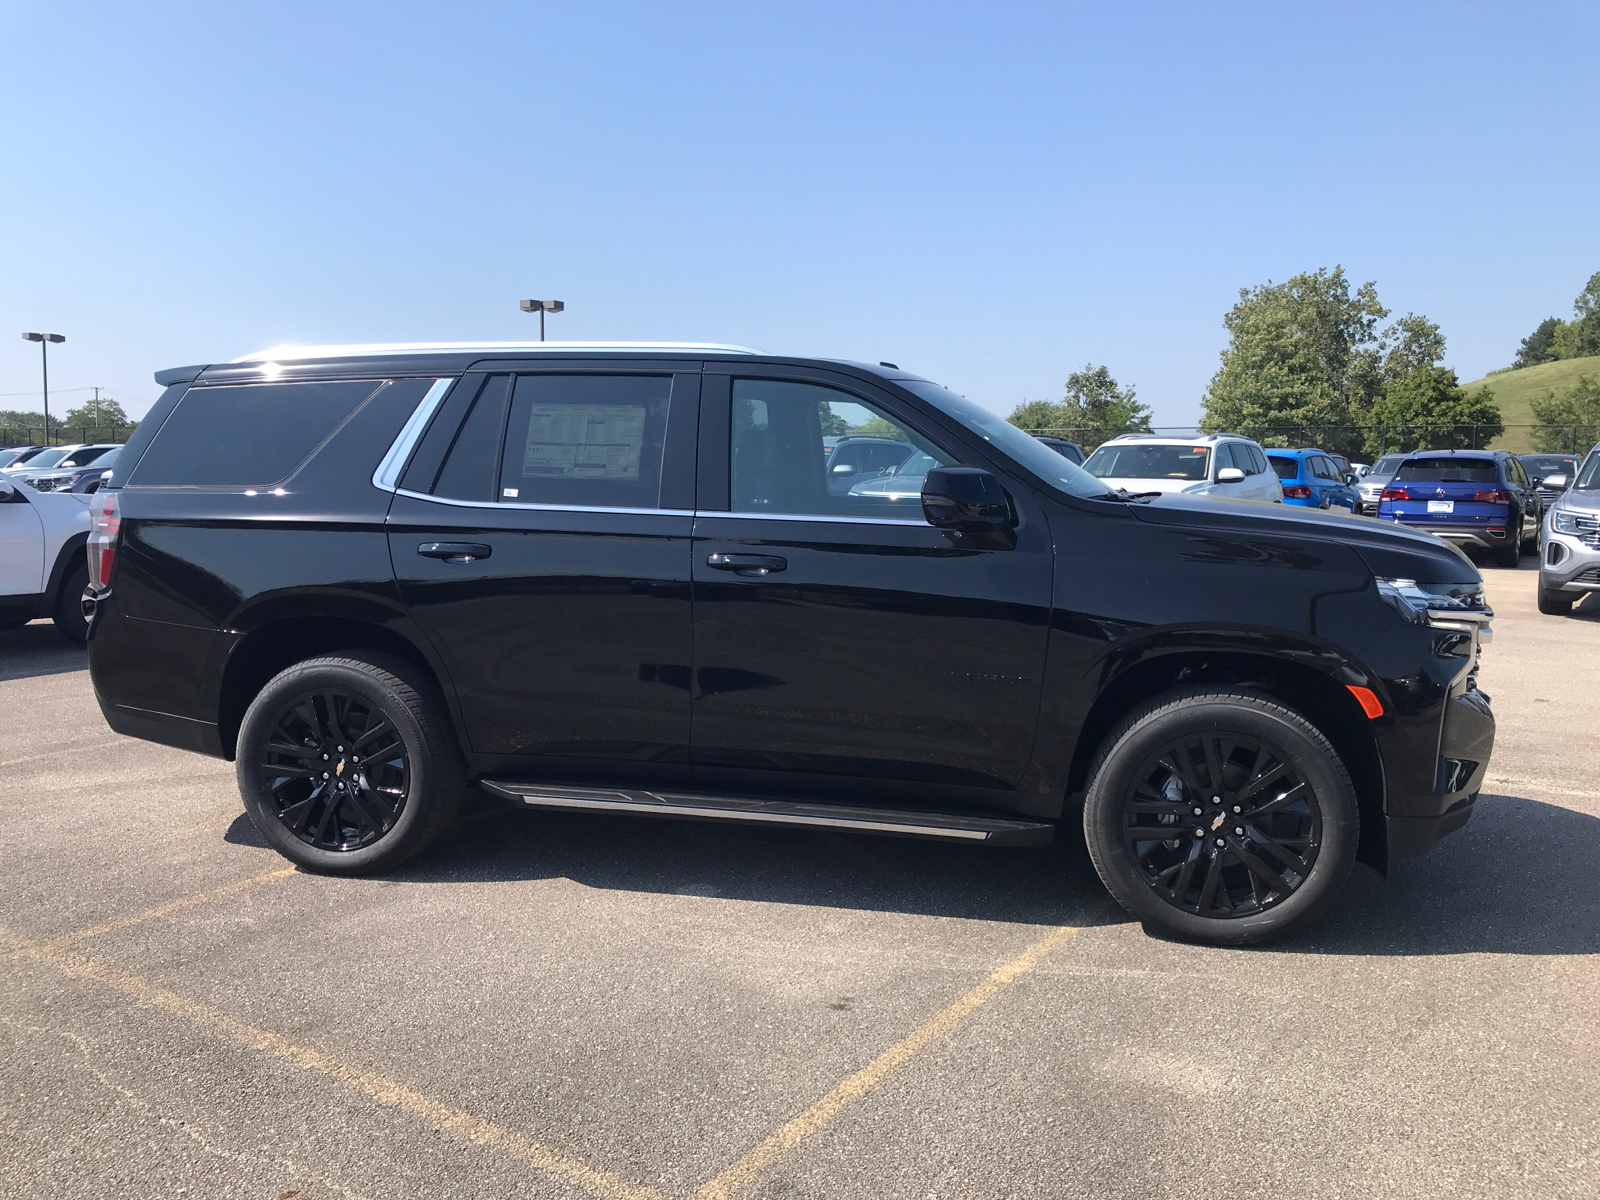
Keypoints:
pixel 43 566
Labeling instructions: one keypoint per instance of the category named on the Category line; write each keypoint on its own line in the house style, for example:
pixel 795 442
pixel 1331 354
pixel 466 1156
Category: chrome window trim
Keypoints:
pixel 643 512
pixel 387 476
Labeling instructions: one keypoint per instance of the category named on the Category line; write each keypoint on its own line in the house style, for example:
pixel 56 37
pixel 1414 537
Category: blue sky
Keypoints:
pixel 991 195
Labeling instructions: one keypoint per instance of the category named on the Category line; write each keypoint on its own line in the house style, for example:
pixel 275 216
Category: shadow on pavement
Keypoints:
pixel 37 649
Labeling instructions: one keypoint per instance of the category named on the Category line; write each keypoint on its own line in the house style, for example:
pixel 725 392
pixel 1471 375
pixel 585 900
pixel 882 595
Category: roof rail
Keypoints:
pixel 384 349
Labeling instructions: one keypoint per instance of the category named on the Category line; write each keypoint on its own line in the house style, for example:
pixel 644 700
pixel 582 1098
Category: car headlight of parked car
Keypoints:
pixel 1565 521
pixel 1459 607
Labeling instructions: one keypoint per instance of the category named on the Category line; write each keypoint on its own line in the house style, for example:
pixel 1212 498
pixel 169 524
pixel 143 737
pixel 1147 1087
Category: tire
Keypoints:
pixel 1509 556
pixel 1248 735
pixel 68 612
pixel 317 714
pixel 1555 604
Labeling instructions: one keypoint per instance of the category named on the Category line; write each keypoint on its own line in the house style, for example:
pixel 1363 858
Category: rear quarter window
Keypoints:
pixel 1287 468
pixel 251 435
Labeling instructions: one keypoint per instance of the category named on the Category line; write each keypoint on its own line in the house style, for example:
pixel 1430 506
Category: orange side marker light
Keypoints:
pixel 1370 704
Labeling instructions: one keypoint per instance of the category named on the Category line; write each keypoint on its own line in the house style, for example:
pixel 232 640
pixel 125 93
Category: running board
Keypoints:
pixel 960 827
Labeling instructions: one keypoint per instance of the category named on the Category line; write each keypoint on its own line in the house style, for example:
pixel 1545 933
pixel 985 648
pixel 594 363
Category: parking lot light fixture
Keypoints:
pixel 541 307
pixel 44 340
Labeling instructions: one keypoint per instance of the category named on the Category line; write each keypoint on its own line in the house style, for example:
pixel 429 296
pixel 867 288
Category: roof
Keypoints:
pixel 1453 453
pixel 1175 439
pixel 389 349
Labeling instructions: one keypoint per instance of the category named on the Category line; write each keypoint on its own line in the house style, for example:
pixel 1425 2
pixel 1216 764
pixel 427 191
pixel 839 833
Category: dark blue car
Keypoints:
pixel 1312 479
pixel 1474 498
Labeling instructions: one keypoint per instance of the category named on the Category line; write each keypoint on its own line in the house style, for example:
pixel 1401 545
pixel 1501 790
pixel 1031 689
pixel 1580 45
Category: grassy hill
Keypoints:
pixel 1514 389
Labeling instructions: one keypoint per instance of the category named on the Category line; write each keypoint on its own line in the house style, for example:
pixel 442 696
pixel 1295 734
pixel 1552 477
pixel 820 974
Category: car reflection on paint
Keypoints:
pixel 902 483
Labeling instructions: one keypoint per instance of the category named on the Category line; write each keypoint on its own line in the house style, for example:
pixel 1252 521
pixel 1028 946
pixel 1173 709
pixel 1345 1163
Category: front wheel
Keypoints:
pixel 1554 604
pixel 349 765
pixel 1221 817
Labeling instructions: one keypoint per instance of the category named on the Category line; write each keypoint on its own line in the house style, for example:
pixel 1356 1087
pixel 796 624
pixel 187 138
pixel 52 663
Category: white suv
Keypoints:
pixel 43 565
pixel 1213 464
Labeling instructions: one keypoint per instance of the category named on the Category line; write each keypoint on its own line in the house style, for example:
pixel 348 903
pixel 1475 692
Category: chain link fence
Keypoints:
pixel 62 435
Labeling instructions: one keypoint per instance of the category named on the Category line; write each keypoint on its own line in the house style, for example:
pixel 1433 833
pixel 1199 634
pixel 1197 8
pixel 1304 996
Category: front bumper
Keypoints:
pixel 1466 743
pixel 1569 563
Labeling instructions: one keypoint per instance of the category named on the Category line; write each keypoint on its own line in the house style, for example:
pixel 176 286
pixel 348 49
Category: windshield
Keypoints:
pixel 1287 468
pixel 7 457
pixel 47 458
pixel 87 455
pixel 1589 477
pixel 1540 465
pixel 1447 470
pixel 1387 464
pixel 1022 448
pixel 1141 460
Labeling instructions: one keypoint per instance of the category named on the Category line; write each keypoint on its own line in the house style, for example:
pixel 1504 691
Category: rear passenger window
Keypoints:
pixel 469 466
pixel 1260 460
pixel 255 435
pixel 591 441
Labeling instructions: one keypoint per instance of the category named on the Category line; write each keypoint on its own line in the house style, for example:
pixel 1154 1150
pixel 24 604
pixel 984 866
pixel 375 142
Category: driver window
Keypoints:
pixel 1225 457
pixel 781 464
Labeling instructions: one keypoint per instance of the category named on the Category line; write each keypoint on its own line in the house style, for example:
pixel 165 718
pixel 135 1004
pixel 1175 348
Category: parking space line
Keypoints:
pixel 389 1092
pixel 172 906
pixel 766 1154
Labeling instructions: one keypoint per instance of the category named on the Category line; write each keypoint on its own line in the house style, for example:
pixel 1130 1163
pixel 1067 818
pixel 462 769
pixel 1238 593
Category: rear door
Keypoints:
pixel 842 644
pixel 541 539
pixel 21 546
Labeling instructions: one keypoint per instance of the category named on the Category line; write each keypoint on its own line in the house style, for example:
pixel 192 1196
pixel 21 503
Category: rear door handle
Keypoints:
pixel 747 564
pixel 455 552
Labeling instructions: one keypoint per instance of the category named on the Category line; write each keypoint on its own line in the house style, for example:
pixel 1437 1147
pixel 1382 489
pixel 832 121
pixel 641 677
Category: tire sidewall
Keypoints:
pixel 1264 720
pixel 407 834
pixel 68 612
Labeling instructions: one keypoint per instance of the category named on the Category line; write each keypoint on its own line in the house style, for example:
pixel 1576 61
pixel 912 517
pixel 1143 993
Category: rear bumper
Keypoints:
pixel 169 729
pixel 1480 536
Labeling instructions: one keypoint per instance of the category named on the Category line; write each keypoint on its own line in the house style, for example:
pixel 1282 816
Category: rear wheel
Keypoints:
pixel 1221 817
pixel 68 612
pixel 1509 556
pixel 1554 604
pixel 349 765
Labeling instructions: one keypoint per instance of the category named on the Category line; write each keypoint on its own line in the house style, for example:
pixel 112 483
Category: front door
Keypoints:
pixel 547 563
pixel 841 642
pixel 21 546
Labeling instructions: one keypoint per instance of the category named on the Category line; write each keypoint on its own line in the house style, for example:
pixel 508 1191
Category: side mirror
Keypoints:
pixel 844 469
pixel 1351 478
pixel 1230 475
pixel 1556 483
pixel 968 501
pixel 7 490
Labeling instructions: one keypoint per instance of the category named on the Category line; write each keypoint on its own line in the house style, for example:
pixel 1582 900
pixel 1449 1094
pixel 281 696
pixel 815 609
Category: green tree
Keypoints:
pixel 1096 407
pixel 1040 416
pixel 877 426
pixel 1588 301
pixel 1307 352
pixel 1538 346
pixel 105 415
pixel 1569 423
pixel 833 425
pixel 1428 409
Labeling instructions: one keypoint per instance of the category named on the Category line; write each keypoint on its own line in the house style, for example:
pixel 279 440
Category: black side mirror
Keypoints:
pixel 969 502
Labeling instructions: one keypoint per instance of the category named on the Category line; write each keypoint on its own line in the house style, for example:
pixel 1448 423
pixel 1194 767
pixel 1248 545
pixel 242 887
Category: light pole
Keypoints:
pixel 541 307
pixel 44 340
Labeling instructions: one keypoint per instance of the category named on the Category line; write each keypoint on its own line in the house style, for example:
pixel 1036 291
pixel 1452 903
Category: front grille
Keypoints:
pixel 1592 575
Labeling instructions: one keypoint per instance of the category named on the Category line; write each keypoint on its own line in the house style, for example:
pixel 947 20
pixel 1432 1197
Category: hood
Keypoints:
pixel 1388 550
pixel 1169 487
pixel 1573 500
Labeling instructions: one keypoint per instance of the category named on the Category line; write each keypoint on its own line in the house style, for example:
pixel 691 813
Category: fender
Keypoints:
pixel 77 545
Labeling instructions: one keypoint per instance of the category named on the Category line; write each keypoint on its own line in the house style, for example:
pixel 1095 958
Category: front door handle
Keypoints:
pixel 455 552
pixel 747 564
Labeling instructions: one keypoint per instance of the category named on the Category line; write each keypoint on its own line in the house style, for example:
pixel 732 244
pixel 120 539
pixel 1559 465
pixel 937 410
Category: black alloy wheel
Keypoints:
pixel 1222 825
pixel 349 764
pixel 1220 817
pixel 336 771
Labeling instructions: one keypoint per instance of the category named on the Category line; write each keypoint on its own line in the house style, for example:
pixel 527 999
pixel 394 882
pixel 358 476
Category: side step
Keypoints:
pixel 961 827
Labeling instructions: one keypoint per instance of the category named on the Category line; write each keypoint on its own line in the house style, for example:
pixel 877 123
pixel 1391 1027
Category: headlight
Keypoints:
pixel 1457 606
pixel 1564 520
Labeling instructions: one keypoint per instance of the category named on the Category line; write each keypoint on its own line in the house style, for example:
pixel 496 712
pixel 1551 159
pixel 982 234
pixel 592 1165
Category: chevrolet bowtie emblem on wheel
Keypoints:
pixel 339 770
pixel 1217 824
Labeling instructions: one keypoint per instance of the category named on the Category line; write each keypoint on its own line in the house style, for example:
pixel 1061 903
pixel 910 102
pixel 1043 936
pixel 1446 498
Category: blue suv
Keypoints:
pixel 1474 498
pixel 1312 479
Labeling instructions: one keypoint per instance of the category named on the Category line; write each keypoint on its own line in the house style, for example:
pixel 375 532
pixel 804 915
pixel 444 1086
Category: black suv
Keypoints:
pixel 616 579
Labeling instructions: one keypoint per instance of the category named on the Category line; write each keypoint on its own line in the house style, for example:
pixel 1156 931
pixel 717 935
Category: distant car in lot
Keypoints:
pixel 17 455
pixel 852 459
pixel 70 477
pixel 1359 470
pixel 1223 465
pixel 1070 451
pixel 1312 479
pixel 1372 483
pixel 1569 562
pixel 1474 498
pixel 1342 463
pixel 58 457
pixel 903 484
pixel 1539 466
pixel 43 568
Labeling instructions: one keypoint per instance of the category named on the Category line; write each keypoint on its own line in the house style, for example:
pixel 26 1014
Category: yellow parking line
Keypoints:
pixel 172 906
pixel 762 1158
pixel 376 1087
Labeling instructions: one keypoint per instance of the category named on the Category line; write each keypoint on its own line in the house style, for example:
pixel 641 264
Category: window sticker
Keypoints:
pixel 584 441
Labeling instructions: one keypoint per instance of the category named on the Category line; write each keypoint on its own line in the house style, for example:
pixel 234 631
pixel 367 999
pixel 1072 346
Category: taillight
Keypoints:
pixel 105 523
pixel 1494 497
pixel 1394 494
pixel 1297 491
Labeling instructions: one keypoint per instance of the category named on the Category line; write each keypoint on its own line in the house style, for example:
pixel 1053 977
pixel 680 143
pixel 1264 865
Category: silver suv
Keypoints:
pixel 1569 561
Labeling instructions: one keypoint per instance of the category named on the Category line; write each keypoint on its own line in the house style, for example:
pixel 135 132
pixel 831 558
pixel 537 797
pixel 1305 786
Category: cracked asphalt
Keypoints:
pixel 552 1005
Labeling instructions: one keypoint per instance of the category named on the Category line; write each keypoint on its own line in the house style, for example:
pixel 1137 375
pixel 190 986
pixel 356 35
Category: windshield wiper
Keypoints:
pixel 1124 496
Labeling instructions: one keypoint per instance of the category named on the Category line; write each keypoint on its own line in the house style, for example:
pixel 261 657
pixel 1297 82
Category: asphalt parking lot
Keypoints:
pixel 570 1005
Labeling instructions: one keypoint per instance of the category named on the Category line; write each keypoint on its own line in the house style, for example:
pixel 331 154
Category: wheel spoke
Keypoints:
pixel 391 750
pixel 285 771
pixel 1257 868
pixel 1214 763
pixel 1261 783
pixel 295 815
pixel 381 726
pixel 1186 771
pixel 1180 887
pixel 1277 804
pixel 367 815
pixel 1208 889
